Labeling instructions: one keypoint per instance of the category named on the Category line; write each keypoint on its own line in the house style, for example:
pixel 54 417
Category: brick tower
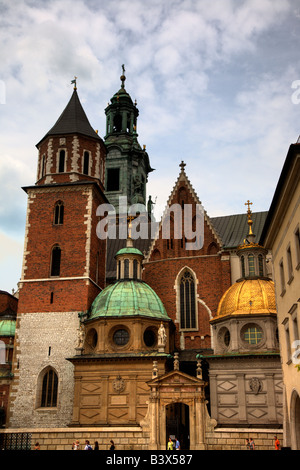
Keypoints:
pixel 63 267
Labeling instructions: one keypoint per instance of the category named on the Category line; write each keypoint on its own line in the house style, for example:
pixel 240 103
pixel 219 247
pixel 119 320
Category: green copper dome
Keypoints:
pixel 7 327
pixel 128 298
pixel 130 250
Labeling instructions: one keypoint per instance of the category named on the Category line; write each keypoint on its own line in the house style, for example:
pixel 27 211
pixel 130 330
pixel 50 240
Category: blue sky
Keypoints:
pixel 212 79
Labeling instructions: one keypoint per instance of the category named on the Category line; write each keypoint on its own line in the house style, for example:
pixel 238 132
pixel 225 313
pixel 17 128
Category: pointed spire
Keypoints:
pixel 73 120
pixel 123 78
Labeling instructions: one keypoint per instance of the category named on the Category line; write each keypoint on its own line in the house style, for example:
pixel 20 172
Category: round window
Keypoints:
pixel 252 334
pixel 121 337
pixel 149 338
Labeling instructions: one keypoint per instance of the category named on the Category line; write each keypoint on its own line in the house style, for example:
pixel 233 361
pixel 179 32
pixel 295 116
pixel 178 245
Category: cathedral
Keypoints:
pixel 129 329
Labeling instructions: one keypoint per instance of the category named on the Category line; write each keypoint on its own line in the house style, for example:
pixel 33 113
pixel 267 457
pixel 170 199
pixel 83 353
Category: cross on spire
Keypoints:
pixel 182 165
pixel 123 78
pixel 250 222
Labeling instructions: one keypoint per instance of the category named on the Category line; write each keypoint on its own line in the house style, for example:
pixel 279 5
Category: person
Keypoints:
pixel 96 445
pixel 88 445
pixel 170 444
pixel 76 445
pixel 247 444
pixel 37 446
pixel 112 445
pixel 177 444
pixel 277 443
pixel 251 444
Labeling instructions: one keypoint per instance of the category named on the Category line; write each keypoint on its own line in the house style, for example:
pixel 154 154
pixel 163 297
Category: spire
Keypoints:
pixel 123 78
pixel 73 119
pixel 249 215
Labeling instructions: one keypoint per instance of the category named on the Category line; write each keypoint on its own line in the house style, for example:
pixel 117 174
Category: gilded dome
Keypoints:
pixel 128 298
pixel 249 296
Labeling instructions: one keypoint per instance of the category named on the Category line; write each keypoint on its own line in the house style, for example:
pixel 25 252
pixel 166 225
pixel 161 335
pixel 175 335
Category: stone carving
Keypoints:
pixel 81 337
pixel 162 338
pixel 119 384
pixel 255 385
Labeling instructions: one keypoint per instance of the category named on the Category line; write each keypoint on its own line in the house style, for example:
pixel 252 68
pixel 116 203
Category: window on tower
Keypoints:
pixel 86 162
pixel 55 261
pixel 113 179
pixel 61 162
pixel 59 213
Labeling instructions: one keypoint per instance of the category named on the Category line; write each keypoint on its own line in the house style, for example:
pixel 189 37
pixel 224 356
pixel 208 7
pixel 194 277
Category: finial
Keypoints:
pixel 249 214
pixel 123 78
pixel 74 81
pixel 130 219
pixel 182 165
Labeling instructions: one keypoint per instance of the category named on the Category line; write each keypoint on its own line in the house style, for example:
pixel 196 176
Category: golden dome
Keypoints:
pixel 250 296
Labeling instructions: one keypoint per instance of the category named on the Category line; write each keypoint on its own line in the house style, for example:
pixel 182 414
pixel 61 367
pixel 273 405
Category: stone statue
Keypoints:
pixel 162 338
pixel 81 337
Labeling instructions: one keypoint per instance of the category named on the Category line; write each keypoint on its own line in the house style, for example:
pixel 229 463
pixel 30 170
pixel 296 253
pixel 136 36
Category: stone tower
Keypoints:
pixel 127 163
pixel 63 267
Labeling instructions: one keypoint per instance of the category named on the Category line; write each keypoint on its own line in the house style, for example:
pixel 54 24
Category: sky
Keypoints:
pixel 217 85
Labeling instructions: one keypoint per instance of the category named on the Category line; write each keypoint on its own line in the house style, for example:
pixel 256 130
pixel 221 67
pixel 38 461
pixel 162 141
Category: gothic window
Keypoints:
pixel 86 162
pixel 49 389
pixel 59 213
pixel 187 301
pixel 55 261
pixel 61 162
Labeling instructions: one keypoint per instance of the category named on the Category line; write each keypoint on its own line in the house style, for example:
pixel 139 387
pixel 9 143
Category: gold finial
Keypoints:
pixel 130 218
pixel 249 214
pixel 75 84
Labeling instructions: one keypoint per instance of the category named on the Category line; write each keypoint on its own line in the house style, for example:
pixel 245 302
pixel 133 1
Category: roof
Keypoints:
pixel 233 229
pixel 130 251
pixel 127 298
pixel 289 178
pixel 73 120
pixel 114 246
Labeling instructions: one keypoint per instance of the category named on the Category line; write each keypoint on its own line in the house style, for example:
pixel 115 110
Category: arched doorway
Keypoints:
pixel 295 421
pixel 178 424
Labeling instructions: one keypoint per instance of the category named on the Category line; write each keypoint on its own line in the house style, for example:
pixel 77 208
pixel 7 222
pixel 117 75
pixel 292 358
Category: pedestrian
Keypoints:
pixel 177 444
pixel 112 445
pixel 277 443
pixel 251 444
pixel 96 445
pixel 88 445
pixel 170 444
pixel 37 446
pixel 76 445
pixel 247 444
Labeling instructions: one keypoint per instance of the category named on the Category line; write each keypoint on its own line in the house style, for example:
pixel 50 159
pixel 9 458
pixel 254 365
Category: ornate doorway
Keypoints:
pixel 178 424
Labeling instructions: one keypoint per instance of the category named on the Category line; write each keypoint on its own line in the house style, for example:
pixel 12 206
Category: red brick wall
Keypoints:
pixel 212 273
pixel 71 236
pixel 85 144
pixel 7 301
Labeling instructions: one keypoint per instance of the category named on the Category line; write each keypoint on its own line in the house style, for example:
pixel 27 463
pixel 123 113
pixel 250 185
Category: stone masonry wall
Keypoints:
pixel 43 340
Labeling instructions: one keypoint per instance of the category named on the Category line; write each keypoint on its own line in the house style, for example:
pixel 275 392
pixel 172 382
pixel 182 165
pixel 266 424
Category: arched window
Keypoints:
pixel 43 172
pixel 135 269
pixel 49 389
pixel 55 261
pixel 86 162
pixel 251 265
pixel 187 301
pixel 126 269
pixel 261 265
pixel 243 265
pixel 61 162
pixel 59 213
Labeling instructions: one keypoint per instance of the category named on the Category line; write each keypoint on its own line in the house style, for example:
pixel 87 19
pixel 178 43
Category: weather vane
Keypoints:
pixel 75 83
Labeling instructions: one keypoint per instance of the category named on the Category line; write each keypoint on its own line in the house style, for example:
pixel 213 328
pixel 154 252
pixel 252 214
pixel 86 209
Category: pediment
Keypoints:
pixel 175 378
